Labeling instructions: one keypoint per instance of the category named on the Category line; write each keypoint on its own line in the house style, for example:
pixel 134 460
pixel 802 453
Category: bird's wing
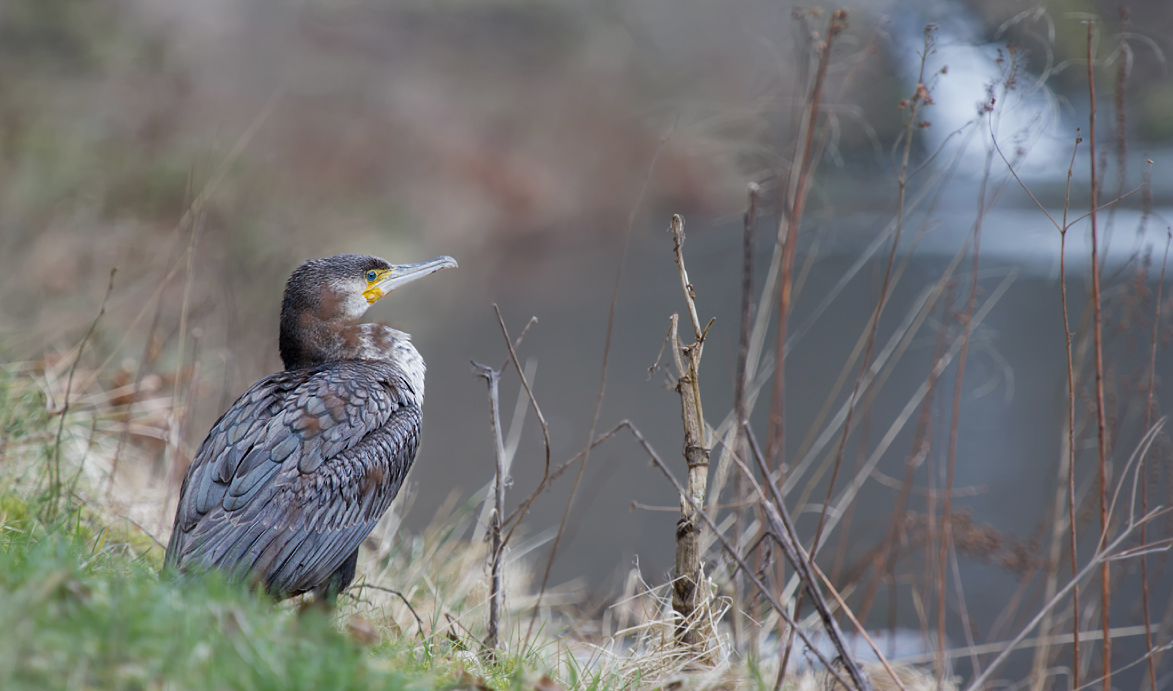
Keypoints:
pixel 295 475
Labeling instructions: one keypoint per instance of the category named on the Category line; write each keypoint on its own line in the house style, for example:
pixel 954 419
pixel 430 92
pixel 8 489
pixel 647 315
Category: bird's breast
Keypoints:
pixel 383 344
pixel 409 360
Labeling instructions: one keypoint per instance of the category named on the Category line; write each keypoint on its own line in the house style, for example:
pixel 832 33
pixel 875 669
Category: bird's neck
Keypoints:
pixel 309 344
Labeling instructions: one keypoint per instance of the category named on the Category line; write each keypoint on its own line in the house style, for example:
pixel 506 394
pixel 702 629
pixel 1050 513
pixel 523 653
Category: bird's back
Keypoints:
pixel 296 473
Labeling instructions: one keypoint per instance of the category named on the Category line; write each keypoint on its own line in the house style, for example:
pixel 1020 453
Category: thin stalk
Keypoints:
pixel 134 394
pixel 783 528
pixel 1105 552
pixel 586 452
pixel 751 575
pixel 1063 228
pixel 861 456
pixel 799 186
pixel 171 450
pixel 1070 419
pixel 1122 68
pixel 951 462
pixel 888 555
pixel 493 379
pixel 872 329
pixel 1101 421
pixel 688 570
pixel 747 247
pixel 55 469
pixel 1144 492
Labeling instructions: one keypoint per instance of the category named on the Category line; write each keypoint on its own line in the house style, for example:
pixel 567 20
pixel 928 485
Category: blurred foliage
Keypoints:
pixel 1156 115
pixel 1055 33
pixel 65 36
pixel 63 139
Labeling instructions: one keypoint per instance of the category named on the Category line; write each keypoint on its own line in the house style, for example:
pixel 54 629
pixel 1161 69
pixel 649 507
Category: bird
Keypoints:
pixel 296 473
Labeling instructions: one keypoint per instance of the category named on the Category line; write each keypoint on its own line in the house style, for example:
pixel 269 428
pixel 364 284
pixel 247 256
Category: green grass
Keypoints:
pixel 79 612
pixel 83 605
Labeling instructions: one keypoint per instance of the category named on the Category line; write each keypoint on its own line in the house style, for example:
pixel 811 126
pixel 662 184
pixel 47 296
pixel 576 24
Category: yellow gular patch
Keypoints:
pixel 372 294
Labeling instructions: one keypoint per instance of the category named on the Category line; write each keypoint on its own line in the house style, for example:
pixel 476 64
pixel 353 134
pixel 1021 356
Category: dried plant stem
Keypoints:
pixel 783 529
pixel 858 626
pixel 736 556
pixel 55 469
pixel 1105 552
pixel 1144 492
pixel 850 492
pixel 1101 420
pixel 586 452
pixel 1070 420
pixel 739 395
pixel 1122 68
pixel 512 440
pixel 687 574
pixel 529 392
pixel 140 371
pixel 798 186
pixel 172 449
pixel 418 622
pixel 889 552
pixel 873 326
pixel 1032 642
pixel 951 461
pixel 493 379
pixel 1070 471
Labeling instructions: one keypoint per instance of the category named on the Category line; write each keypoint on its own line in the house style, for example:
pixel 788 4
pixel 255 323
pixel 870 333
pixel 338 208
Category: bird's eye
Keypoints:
pixel 371 276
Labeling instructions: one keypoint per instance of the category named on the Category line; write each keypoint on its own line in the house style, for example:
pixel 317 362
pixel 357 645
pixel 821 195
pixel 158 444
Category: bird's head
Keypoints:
pixel 324 296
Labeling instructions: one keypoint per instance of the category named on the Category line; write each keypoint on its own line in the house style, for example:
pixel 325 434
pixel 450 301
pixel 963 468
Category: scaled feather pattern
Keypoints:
pixel 295 475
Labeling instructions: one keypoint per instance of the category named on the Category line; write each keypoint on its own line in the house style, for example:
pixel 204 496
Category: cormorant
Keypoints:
pixel 293 477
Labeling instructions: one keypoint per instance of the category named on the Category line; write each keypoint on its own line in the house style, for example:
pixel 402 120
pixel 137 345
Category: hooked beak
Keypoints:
pixel 402 274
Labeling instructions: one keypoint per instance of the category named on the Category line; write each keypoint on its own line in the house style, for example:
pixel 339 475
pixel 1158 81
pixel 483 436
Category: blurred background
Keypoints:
pixel 205 149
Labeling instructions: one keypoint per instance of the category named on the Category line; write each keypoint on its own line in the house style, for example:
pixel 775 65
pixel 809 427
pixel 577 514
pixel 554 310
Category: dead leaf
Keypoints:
pixel 548 684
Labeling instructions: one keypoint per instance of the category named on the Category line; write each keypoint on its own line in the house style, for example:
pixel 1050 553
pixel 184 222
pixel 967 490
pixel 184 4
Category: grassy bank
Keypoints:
pixel 83 605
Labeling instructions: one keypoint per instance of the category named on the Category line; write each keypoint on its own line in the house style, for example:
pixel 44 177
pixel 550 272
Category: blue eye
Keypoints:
pixel 371 276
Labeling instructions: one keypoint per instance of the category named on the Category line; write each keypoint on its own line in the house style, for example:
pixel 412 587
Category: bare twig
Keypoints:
pixel 920 97
pixel 1106 552
pixel 541 422
pixel 55 470
pixel 739 383
pixel 798 186
pixel 1070 419
pixel 557 472
pixel 1101 415
pixel 171 449
pixel 858 626
pixel 1144 493
pixel 687 575
pixel 766 592
pixel 947 504
pixel 144 531
pixel 602 380
pixel 418 622
pixel 512 441
pixel 493 378
pixel 784 532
